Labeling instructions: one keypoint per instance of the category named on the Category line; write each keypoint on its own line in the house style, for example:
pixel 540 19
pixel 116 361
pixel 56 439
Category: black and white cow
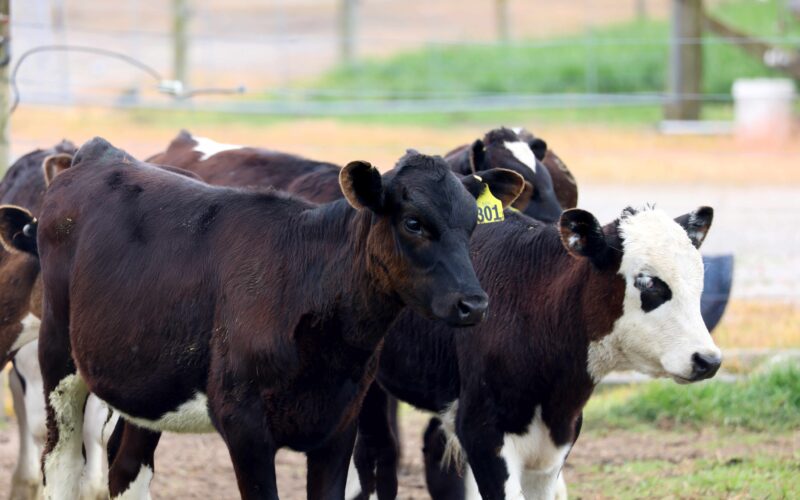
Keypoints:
pixel 570 303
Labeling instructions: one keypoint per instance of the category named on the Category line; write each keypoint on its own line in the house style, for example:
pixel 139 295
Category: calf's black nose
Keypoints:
pixel 471 310
pixel 704 365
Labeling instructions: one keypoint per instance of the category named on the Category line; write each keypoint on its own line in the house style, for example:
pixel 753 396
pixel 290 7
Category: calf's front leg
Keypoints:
pixel 483 443
pixel 328 466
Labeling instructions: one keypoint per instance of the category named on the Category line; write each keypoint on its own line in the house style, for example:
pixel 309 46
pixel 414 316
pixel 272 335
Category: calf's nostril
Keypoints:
pixel 472 308
pixel 705 365
pixel 464 309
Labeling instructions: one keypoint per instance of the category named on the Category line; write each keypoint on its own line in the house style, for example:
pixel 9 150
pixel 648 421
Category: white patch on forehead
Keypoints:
pixel 660 342
pixel 523 153
pixel 190 417
pixel 517 130
pixel 209 147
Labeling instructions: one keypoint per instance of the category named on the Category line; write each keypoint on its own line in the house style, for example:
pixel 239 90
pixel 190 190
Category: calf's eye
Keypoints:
pixel 654 291
pixel 413 225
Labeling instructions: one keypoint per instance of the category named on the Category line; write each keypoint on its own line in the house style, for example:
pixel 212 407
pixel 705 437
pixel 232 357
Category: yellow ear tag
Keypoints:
pixel 490 209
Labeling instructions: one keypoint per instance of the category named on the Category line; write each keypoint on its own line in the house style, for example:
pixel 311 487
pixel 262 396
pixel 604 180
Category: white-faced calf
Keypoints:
pixel 570 303
pixel 192 308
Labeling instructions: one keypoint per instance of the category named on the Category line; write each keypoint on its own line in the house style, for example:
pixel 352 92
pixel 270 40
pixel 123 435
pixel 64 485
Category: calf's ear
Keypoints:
pixel 582 235
pixel 54 165
pixel 697 224
pixel 17 229
pixel 505 185
pixel 362 185
pixel 539 148
pixel 522 201
pixel 477 156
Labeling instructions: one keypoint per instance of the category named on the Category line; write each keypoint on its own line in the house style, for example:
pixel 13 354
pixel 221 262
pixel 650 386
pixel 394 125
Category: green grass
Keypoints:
pixel 626 58
pixel 753 476
pixel 763 401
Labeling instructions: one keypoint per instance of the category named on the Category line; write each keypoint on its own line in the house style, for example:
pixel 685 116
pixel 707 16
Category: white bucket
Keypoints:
pixel 763 107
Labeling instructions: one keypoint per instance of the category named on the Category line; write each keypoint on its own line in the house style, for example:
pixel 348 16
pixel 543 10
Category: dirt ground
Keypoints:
pixel 198 466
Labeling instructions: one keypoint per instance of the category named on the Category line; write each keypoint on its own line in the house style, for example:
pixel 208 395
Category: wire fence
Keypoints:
pixel 595 53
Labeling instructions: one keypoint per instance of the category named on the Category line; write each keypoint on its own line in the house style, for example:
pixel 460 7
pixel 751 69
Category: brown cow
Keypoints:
pixel 243 166
pixel 232 165
pixel 23 186
pixel 20 294
pixel 191 308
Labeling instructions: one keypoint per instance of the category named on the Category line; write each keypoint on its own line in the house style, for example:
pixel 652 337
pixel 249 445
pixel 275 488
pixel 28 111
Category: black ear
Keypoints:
pixel 582 235
pixel 54 165
pixel 697 224
pixel 539 148
pixel 505 185
pixel 362 185
pixel 477 156
pixel 17 229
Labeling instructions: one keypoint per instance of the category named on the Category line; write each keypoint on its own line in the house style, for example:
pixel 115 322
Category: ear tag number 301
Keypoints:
pixel 490 209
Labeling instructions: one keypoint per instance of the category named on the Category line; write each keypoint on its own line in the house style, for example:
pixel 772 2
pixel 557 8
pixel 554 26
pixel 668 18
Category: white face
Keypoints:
pixel 661 331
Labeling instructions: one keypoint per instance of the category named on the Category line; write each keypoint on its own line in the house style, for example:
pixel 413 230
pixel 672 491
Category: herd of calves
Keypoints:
pixel 285 302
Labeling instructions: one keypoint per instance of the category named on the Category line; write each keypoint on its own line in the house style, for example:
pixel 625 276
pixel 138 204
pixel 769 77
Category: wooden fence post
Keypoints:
pixel 5 60
pixel 685 61
pixel 180 41
pixel 347 31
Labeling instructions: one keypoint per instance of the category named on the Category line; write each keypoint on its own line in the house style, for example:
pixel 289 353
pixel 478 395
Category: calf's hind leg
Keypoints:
pixel 132 461
pixel 252 453
pixel 29 409
pixel 65 396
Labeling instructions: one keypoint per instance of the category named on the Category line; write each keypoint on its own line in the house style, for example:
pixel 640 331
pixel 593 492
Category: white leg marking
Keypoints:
pixel 94 485
pixel 139 489
pixel 561 487
pixel 471 491
pixel 533 462
pixel 540 484
pixel 64 464
pixel 30 331
pixel 353 487
pixel 27 479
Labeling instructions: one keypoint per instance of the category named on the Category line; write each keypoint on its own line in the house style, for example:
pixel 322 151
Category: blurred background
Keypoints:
pixel 673 102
